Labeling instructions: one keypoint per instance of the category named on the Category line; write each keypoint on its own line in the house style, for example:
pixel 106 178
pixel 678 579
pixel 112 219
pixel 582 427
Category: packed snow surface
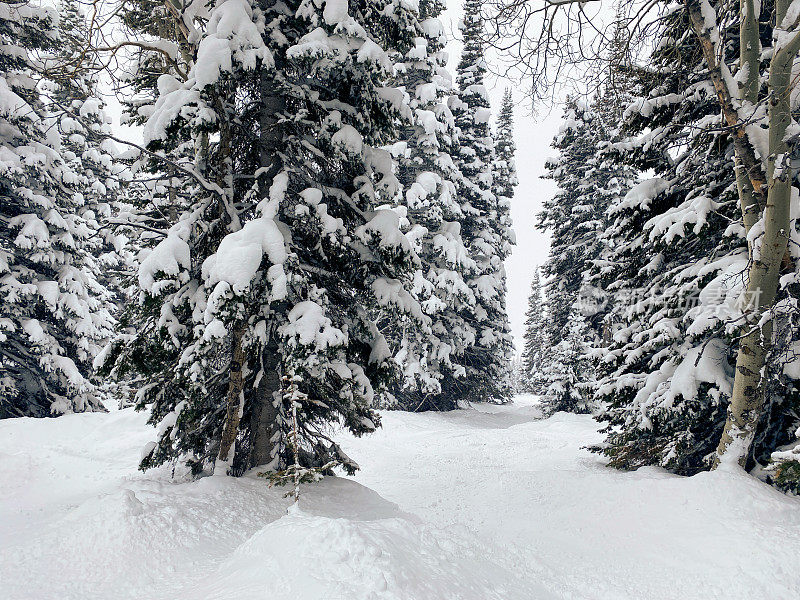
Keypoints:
pixel 479 504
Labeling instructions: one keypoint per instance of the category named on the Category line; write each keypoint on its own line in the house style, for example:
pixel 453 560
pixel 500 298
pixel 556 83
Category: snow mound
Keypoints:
pixel 307 556
pixel 77 521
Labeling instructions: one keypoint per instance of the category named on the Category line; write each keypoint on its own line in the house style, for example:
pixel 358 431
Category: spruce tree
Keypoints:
pixel 429 178
pixel 54 308
pixel 567 378
pixel 73 96
pixel 486 227
pixel 536 346
pixel 519 380
pixel 288 258
pixel 588 182
pixel 505 170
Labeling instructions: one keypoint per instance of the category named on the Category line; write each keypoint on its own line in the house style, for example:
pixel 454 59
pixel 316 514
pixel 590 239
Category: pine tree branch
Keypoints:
pixel 202 181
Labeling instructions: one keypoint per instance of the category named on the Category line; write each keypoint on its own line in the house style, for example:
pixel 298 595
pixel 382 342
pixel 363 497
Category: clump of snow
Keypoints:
pixel 392 293
pixel 482 115
pixel 12 105
pixel 348 139
pixel 425 185
pixel 170 257
pixel 33 232
pixel 335 11
pixel 371 52
pixel 239 255
pixel 427 92
pixel 314 43
pixel 231 35
pixel 313 197
pixel 168 107
pixel 722 298
pixel 433 28
pixel 309 326
pixel 215 329
pixel 427 119
pixel 703 364
pixel 384 227
pixel 419 51
pixel 641 195
pixel 672 223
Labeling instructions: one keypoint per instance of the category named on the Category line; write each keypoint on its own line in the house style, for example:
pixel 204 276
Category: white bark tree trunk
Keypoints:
pixel 764 192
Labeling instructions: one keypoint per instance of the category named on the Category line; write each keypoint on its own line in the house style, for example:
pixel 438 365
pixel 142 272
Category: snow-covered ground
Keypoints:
pixel 482 504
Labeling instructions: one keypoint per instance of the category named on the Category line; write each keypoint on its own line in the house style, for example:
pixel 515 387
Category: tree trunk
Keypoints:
pixel 265 424
pixel 223 162
pixel 265 427
pixel 748 397
pixel 235 400
pixel 273 105
pixel 749 62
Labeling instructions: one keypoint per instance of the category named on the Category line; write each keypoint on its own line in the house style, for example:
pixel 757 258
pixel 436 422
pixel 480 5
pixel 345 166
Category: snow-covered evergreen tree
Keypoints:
pixel 588 182
pixel 535 350
pixel 486 225
pixel 72 96
pixel 289 257
pixel 505 170
pixel 426 171
pixel 54 309
pixel 164 184
pixel 519 380
pixel 85 126
pixel 568 377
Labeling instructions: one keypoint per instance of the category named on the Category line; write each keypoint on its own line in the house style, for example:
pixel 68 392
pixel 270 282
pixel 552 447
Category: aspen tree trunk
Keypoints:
pixel 748 397
pixel 749 61
pixel 751 176
pixel 762 195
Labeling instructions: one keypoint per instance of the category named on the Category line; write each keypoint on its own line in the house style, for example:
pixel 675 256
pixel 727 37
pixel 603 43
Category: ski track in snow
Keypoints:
pixel 491 503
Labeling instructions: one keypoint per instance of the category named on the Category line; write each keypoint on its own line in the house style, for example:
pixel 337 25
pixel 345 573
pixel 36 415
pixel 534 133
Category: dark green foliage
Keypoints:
pixel 292 153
